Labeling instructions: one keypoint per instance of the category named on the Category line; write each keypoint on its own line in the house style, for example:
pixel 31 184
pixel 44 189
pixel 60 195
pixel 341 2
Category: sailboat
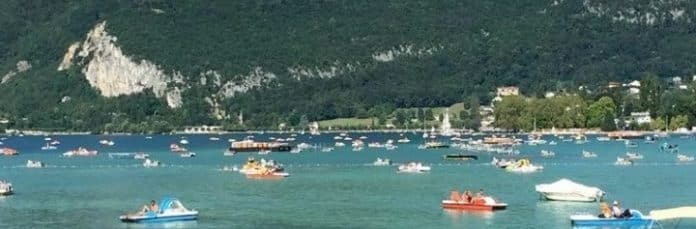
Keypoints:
pixel 446 127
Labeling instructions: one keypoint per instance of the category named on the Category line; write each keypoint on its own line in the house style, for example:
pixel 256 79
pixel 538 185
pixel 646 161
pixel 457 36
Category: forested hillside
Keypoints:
pixel 154 65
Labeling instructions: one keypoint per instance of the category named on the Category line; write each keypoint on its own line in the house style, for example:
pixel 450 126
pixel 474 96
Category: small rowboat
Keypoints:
pixel 482 204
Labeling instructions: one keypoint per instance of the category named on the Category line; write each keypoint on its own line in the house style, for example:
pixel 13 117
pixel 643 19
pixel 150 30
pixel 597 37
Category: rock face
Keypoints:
pixel 22 66
pixel 113 73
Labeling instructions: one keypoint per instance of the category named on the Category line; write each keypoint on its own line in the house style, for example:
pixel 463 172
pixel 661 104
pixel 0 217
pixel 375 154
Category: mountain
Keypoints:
pixel 154 65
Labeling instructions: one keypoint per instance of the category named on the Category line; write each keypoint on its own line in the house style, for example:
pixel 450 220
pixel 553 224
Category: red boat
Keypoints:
pixel 476 204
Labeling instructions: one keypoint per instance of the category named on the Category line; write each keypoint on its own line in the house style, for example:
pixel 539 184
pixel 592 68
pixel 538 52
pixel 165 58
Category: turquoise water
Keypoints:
pixel 338 189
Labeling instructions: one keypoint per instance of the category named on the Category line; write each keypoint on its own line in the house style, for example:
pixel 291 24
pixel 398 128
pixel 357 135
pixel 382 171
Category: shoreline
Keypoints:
pixel 465 132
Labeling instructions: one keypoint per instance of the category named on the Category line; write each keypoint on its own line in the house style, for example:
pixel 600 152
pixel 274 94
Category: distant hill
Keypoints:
pixel 155 64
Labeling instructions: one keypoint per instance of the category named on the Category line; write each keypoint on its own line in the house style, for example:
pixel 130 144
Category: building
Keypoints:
pixel 505 91
pixel 633 91
pixel 640 117
pixel 634 84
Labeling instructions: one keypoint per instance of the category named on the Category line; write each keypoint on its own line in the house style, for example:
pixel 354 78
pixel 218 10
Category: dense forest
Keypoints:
pixel 442 52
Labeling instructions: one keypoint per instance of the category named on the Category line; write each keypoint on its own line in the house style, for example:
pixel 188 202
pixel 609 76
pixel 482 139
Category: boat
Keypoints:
pixel 357 148
pixel 151 163
pixel 214 138
pixel 637 220
pixel 403 140
pixel 8 152
pixel 580 138
pixel 567 190
pixel 252 146
pixel 48 146
pixel 546 153
pixel 6 188
pixel 264 152
pixel 435 145
pixel 623 161
pixel 121 155
pixel 54 142
pixel 296 150
pixel 188 154
pixel 176 148
pixel 184 142
pixel 141 156
pixel 348 139
pixel 603 139
pixel 35 164
pixel 588 154
pixel 382 162
pixel 357 143
pixel 523 166
pixel 375 145
pixel 83 152
pixel 669 148
pixel 170 210
pixel 485 203
pixel 303 146
pixel 501 163
pixel 684 158
pixel 634 156
pixel 462 157
pixel 649 140
pixel 446 126
pixel 362 137
pixel 340 144
pixel 327 149
pixel 106 142
pixel 263 169
pixel 631 144
pixel 413 167
pixel 494 140
pixel 553 143
pixel 338 138
pixel 390 147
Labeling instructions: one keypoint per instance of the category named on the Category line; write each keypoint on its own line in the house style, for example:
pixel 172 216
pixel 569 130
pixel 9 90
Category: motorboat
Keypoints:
pixel 188 154
pixel 340 144
pixel 106 142
pixel 637 220
pixel 264 152
pixel 348 139
pixel 54 143
pixel 684 158
pixel 666 147
pixel 357 143
pixel 413 167
pixel 463 157
pixel 170 209
pixel 296 150
pixel 303 146
pixel 357 148
pixel 567 190
pixel 623 161
pixel 6 188
pixel 403 140
pixel 48 146
pixel 141 156
pixel 435 145
pixel 214 138
pixel 553 143
pixel 486 203
pixel 35 164
pixel 327 149
pixel 151 163
pixel 263 169
pixel 634 156
pixel 390 147
pixel 501 163
pixel 382 162
pixel 603 139
pixel 8 152
pixel 82 152
pixel 362 137
pixel 121 155
pixel 630 144
pixel 523 166
pixel 375 145
pixel 649 139
pixel 184 142
pixel 176 148
pixel 338 138
pixel 588 154
pixel 546 153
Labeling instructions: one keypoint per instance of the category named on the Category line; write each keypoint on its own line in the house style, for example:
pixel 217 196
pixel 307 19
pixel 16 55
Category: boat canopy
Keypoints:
pixel 674 213
pixel 568 186
pixel 168 203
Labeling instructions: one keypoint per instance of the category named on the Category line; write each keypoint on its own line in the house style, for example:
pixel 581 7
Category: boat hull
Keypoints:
pixel 568 197
pixel 620 223
pixel 472 207
pixel 159 219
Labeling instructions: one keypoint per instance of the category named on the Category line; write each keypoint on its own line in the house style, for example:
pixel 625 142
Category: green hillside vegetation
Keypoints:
pixel 478 45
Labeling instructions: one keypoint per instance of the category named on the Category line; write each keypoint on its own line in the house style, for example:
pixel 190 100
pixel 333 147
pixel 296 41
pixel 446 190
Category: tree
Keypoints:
pixel 608 123
pixel 429 115
pixel 678 121
pixel 650 93
pixel 400 117
pixel 508 113
pixel 598 112
pixel 657 124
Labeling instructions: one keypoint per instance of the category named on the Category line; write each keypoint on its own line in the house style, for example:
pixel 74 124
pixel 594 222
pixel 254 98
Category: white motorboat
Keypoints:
pixel 390 147
pixel 338 138
pixel 214 138
pixel 55 142
pixel 567 190
pixel 403 140
pixel 48 146
pixel 35 164
pixel 356 149
pixel 623 161
pixel 348 139
pixel 264 152
pixel 501 163
pixel 362 137
pixel 296 150
pixel 523 166
pixel 327 149
pixel 603 139
pixel 80 152
pixel 141 156
pixel 188 154
pixel 630 144
pixel 546 153
pixel 684 158
pixel 340 144
pixel 553 143
pixel 588 154
pixel 107 142
pixel 413 167
pixel 151 163
pixel 303 146
pixel 382 162
pixel 375 145
pixel 6 188
pixel 183 142
pixel 634 156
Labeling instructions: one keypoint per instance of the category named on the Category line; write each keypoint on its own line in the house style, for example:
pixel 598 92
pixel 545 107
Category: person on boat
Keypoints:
pixel 479 194
pixel 605 211
pixel 152 207
pixel 454 195
pixel 618 213
pixel 467 196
